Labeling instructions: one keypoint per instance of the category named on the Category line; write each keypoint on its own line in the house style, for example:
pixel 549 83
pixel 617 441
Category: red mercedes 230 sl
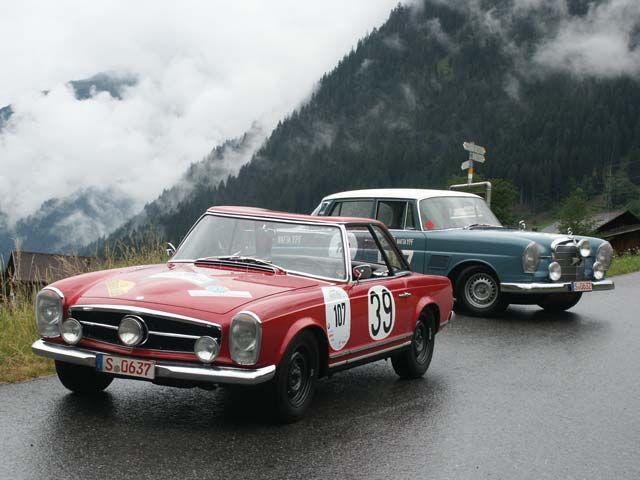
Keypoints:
pixel 250 296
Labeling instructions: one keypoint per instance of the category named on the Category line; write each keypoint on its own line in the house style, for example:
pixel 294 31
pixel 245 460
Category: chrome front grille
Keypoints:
pixel 166 332
pixel 573 265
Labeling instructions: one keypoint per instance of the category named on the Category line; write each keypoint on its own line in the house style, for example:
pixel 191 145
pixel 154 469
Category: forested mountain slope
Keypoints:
pixel 396 109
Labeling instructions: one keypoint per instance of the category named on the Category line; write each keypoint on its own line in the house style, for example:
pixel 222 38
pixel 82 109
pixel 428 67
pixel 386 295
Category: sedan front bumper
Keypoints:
pixel 164 370
pixel 565 287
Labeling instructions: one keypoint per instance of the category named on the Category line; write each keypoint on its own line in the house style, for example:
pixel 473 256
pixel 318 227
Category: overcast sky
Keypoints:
pixel 207 70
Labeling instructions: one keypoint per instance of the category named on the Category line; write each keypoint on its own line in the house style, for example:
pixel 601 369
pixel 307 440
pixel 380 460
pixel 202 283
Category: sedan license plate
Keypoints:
pixel 131 367
pixel 582 286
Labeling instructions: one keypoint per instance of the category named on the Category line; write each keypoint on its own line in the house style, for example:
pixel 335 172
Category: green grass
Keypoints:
pixel 625 264
pixel 17 319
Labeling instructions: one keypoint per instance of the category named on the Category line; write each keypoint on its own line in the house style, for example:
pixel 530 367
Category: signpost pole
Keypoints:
pixel 470 173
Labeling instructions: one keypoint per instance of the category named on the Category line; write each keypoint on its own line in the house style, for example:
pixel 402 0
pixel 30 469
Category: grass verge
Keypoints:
pixel 626 263
pixel 17 318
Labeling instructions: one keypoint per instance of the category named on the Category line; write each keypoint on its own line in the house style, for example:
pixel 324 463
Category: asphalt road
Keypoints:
pixel 529 395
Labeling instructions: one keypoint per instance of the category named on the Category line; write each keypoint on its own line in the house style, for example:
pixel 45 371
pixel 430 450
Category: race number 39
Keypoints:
pixel 382 312
pixel 337 316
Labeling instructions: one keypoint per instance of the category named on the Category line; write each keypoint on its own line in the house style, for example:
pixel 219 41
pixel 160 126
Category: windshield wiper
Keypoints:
pixel 471 226
pixel 241 259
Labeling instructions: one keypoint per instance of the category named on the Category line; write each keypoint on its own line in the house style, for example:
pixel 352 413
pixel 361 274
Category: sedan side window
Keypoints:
pixel 392 213
pixel 353 208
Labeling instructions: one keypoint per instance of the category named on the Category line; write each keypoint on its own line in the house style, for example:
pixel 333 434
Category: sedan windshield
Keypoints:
pixel 456 212
pixel 315 250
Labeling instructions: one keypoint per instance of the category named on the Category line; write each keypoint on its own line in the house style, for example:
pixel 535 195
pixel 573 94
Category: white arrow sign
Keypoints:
pixel 465 165
pixel 472 147
pixel 476 157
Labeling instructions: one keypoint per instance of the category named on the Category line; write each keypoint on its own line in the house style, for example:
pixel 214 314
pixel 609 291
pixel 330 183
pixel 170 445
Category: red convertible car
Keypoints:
pixel 250 296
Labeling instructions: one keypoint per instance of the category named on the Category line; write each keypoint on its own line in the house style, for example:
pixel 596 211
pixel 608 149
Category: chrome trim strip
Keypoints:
pixel 174 335
pixel 369 347
pixel 563 287
pixel 141 310
pixel 372 354
pixel 173 370
pixel 102 325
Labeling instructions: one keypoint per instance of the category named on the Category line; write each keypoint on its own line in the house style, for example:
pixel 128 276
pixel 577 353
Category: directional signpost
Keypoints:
pixel 476 154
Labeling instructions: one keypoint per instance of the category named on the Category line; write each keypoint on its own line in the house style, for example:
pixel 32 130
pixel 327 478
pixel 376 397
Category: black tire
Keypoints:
pixel 82 380
pixel 296 377
pixel 415 360
pixel 478 292
pixel 559 302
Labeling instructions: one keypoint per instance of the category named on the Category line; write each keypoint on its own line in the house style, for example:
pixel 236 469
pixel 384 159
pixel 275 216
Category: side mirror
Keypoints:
pixel 362 272
pixel 171 250
pixel 522 225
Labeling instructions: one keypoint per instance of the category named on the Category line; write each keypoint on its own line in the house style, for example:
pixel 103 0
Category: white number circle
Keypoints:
pixel 338 316
pixel 382 312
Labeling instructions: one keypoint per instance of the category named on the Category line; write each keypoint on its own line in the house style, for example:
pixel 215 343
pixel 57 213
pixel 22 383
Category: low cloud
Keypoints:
pixel 206 72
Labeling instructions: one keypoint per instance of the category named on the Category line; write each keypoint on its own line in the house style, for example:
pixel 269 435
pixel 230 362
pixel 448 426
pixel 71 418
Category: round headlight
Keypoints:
pixel 206 349
pixel 71 331
pixel 531 258
pixel 245 338
pixel 584 247
pixel 555 271
pixel 604 255
pixel 598 271
pixel 131 331
pixel 48 312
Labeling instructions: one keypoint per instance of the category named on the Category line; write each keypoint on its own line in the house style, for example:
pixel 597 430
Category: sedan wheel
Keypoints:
pixel 478 292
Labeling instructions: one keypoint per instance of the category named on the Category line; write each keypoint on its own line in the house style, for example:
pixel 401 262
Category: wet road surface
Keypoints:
pixel 529 395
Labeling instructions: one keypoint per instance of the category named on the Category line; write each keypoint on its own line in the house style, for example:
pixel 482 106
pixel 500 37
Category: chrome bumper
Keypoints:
pixel 165 370
pixel 551 287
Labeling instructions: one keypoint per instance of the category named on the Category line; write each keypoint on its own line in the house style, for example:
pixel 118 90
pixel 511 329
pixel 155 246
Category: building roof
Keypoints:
pixel 44 267
pixel 276 215
pixel 405 193
pixel 601 221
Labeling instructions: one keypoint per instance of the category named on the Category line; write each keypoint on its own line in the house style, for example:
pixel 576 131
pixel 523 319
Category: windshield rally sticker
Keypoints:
pixel 338 316
pixel 382 312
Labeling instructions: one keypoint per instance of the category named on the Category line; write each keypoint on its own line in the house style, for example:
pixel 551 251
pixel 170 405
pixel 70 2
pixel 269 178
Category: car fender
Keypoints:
pixel 295 328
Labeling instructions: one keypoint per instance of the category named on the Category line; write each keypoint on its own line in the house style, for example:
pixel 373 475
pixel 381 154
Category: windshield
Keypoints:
pixel 455 212
pixel 308 249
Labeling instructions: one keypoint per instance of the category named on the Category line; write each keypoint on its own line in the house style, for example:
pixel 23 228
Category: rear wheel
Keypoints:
pixel 415 360
pixel 478 292
pixel 296 377
pixel 559 302
pixel 82 380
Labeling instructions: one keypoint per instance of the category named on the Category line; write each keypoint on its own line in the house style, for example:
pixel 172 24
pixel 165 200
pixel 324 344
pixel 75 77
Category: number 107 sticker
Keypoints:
pixel 337 316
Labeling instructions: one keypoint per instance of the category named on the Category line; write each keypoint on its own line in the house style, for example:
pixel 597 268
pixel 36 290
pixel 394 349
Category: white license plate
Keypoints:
pixel 131 367
pixel 582 286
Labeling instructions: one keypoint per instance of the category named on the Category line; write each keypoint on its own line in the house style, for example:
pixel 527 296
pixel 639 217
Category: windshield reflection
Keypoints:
pixel 440 213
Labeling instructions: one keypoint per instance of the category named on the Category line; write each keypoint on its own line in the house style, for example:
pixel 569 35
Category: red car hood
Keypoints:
pixel 209 289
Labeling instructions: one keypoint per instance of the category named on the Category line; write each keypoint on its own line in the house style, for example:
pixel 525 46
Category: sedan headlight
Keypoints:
pixel 531 258
pixel 584 247
pixel 245 338
pixel 604 255
pixel 48 313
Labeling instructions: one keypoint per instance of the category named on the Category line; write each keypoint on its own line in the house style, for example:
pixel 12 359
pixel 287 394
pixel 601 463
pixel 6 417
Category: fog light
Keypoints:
pixel 555 271
pixel 206 349
pixel 71 331
pixel 584 247
pixel 598 271
pixel 131 331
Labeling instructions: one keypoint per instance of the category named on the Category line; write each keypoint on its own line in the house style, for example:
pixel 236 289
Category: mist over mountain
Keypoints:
pixel 550 87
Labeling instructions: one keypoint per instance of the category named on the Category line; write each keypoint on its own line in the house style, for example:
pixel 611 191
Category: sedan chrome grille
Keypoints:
pixel 166 332
pixel 573 265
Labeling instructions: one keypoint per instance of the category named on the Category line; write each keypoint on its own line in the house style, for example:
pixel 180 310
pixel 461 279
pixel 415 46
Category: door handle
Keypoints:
pixel 404 295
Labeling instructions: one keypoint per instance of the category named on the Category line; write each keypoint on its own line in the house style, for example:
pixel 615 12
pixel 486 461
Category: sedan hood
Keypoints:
pixel 214 290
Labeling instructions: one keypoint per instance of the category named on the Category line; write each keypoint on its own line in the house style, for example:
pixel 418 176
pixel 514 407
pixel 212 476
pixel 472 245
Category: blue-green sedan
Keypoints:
pixel 456 234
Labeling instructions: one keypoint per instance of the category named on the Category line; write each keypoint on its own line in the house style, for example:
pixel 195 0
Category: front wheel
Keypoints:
pixel 82 380
pixel 478 292
pixel 296 377
pixel 559 302
pixel 414 361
